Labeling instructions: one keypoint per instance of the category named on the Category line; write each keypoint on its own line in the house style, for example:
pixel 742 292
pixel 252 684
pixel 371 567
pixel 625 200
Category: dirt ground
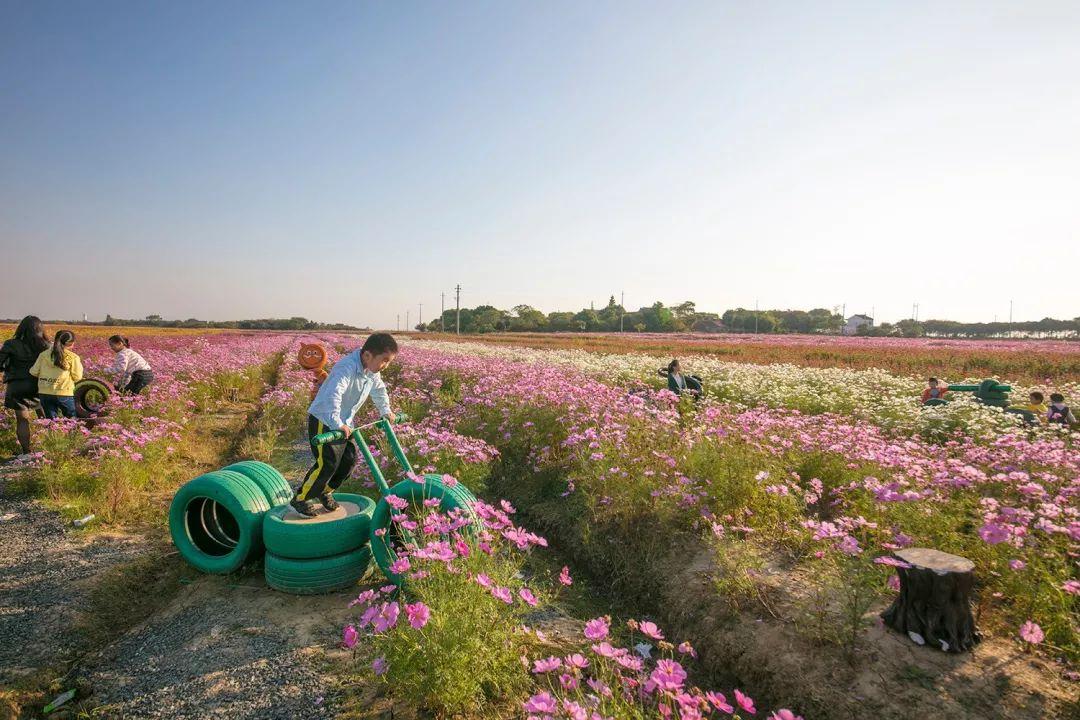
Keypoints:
pixel 889 678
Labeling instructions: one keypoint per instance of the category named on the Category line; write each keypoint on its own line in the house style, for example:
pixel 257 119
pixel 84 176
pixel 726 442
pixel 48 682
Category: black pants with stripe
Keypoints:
pixel 333 463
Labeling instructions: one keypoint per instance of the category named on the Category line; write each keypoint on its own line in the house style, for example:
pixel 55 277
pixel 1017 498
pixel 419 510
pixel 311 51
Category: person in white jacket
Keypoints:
pixel 131 373
pixel 353 379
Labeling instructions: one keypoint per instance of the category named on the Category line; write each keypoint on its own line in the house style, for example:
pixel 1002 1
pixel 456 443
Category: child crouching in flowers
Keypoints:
pixel 130 371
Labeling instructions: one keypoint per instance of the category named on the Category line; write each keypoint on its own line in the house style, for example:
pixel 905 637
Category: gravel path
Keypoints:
pixel 223 652
pixel 43 568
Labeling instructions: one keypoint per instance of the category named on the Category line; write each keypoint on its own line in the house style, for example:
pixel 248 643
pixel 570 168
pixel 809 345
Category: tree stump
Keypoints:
pixel 934 604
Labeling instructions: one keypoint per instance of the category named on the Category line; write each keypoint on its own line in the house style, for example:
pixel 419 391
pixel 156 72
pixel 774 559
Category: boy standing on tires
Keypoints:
pixel 352 380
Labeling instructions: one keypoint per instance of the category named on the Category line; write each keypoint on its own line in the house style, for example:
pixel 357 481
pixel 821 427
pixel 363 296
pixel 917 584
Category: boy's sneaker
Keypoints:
pixel 328 501
pixel 304 507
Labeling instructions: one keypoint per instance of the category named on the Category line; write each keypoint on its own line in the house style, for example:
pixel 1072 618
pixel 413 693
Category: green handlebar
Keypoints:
pixel 328 437
pixel 391 437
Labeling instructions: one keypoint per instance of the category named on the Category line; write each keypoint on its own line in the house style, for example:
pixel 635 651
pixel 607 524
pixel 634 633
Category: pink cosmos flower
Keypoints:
pixel 1031 633
pixel 1071 586
pixel 501 593
pixel 387 618
pixel 564 576
pixel 542 703
pixel 596 629
pixel 418 614
pixel 992 533
pixel 568 682
pixel 668 675
pixel 483 580
pixel 576 660
pixel 650 629
pixel 528 597
pixel 718 701
pixel 605 649
pixel 546 664
pixel 399 566
pixel 380 666
pixel 745 702
pixel 349 636
pixel 785 714
pixel 1017 565
pixel 686 648
pixel 575 711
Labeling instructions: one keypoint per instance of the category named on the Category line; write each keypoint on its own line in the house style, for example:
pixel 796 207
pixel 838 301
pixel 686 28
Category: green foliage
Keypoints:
pixel 467 658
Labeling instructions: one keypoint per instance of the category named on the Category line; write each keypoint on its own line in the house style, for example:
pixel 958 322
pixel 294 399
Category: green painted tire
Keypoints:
pixel 287 535
pixel 216 521
pixel 450 498
pixel 273 484
pixel 90 396
pixel 317 575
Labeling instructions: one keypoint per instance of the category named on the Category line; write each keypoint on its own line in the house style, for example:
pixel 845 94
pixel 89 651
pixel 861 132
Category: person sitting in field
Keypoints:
pixel 1058 412
pixel 1036 405
pixel 57 370
pixel 17 356
pixel 678 383
pixel 935 391
pixel 352 380
pixel 130 371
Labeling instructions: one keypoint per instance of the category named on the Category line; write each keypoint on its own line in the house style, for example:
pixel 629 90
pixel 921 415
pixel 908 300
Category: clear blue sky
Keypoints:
pixel 348 161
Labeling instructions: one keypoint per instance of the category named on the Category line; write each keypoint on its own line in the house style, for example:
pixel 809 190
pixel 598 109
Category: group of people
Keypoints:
pixel 40 376
pixel 1056 412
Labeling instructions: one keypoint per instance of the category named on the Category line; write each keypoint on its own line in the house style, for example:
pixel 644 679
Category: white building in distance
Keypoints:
pixel 853 323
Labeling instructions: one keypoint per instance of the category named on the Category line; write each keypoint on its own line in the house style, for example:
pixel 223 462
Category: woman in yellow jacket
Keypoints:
pixel 57 370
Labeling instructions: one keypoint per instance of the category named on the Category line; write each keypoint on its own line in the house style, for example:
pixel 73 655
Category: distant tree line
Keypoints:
pixel 685 317
pixel 293 323
pixel 1045 328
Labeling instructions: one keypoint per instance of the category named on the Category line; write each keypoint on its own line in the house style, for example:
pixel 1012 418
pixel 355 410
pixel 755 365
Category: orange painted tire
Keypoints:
pixel 311 356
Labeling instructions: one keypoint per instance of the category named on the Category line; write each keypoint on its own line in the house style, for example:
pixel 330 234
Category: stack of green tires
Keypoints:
pixel 216 520
pixel 309 556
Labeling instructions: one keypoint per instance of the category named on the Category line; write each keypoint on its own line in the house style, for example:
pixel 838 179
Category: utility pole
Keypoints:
pixel 421 320
pixel 622 306
pixel 457 293
pixel 407 326
pixel 1010 313
pixel 442 312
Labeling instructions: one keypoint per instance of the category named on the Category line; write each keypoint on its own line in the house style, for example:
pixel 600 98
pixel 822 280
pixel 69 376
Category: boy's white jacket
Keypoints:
pixel 345 390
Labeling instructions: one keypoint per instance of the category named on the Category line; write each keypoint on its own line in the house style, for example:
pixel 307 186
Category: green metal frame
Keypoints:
pixel 365 450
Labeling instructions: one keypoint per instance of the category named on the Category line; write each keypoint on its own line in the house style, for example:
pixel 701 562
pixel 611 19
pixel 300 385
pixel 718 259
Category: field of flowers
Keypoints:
pixel 753 528
pixel 793 512
pixel 1029 361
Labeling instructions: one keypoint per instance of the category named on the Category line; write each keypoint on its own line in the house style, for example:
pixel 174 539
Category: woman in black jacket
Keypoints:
pixel 17 356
